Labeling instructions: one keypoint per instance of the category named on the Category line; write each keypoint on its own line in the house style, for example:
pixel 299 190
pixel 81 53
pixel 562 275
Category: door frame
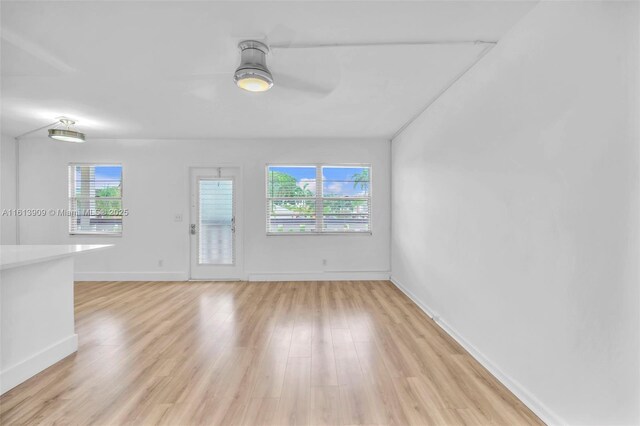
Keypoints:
pixel 238 195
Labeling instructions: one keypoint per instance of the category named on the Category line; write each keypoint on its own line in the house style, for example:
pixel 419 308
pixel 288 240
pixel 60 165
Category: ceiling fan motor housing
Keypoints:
pixel 253 62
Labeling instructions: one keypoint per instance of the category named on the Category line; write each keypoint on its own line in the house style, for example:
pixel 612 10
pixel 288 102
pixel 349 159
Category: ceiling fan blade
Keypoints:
pixel 281 36
pixel 36 51
pixel 206 92
pixel 291 82
pixel 200 77
pixel 202 86
pixel 316 73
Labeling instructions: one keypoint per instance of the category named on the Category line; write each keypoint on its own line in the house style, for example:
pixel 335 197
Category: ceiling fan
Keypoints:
pixel 253 75
pixel 315 76
pixel 263 67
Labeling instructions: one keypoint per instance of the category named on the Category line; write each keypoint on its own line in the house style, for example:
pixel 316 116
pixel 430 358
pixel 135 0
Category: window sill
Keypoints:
pixel 314 234
pixel 101 234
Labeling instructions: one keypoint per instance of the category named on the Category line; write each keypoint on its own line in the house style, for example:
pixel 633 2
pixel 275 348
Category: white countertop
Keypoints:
pixel 12 256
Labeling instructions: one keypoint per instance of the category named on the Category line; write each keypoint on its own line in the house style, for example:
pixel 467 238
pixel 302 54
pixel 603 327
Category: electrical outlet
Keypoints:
pixel 324 262
pixel 160 263
pixel 177 217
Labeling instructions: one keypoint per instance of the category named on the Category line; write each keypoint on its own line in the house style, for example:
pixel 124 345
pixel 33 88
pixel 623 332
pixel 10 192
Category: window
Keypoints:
pixel 95 199
pixel 318 199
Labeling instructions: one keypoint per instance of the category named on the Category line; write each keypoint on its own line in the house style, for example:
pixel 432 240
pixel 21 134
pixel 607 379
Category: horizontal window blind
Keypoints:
pixel 216 222
pixel 318 199
pixel 95 199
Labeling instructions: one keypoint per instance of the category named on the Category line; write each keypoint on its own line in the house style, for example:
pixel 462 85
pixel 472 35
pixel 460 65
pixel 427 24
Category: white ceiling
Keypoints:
pixel 164 69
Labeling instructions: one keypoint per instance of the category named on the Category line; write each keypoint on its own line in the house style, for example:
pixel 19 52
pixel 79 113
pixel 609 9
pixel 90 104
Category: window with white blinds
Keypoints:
pixel 318 199
pixel 95 199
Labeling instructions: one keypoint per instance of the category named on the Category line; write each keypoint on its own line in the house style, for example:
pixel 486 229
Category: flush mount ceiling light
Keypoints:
pixel 66 135
pixel 253 75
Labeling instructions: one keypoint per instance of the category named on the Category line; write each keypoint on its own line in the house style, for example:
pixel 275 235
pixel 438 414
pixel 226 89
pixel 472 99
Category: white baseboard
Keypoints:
pixel 131 276
pixel 319 276
pixel 541 410
pixel 250 276
pixel 18 373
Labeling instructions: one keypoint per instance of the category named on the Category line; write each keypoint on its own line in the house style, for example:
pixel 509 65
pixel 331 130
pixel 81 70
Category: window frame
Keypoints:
pixel 87 233
pixel 318 198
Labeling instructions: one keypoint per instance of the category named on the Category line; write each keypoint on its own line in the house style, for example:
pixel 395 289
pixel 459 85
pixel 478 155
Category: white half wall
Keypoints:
pixel 515 211
pixel 36 318
pixel 7 189
pixel 156 188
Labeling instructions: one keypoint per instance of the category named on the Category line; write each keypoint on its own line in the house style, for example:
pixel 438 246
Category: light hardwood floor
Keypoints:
pixel 180 353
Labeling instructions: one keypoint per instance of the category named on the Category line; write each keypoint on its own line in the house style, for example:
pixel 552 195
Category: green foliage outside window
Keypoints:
pixel 108 205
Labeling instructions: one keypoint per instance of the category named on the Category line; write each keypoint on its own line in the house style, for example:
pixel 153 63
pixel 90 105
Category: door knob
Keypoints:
pixel 193 229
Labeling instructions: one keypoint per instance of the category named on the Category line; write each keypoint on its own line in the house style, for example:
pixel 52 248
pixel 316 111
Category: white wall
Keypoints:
pixel 156 188
pixel 515 211
pixel 7 189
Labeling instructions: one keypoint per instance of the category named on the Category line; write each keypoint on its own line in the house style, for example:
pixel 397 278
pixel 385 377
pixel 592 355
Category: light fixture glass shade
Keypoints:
pixel 254 83
pixel 66 135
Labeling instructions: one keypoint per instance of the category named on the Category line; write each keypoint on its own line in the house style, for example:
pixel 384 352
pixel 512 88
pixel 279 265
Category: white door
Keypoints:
pixel 215 227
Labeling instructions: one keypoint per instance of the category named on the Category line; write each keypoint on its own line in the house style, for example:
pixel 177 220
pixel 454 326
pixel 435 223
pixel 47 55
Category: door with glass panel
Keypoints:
pixel 215 226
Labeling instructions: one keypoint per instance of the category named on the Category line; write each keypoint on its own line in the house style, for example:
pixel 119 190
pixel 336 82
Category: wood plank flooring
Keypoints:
pixel 319 353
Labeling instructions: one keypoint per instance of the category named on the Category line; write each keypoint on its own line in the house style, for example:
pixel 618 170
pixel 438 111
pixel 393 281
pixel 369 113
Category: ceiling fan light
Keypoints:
pixel 254 83
pixel 66 135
